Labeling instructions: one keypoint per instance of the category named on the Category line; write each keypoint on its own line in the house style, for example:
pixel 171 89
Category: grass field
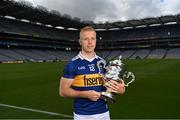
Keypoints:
pixel 30 91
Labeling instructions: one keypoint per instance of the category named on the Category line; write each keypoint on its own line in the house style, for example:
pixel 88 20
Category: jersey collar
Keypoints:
pixel 84 58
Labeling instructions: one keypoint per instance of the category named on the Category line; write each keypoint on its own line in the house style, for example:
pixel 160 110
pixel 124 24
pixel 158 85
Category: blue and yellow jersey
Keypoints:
pixel 85 75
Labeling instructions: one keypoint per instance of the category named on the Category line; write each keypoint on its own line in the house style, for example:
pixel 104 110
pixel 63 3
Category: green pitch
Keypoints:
pixel 30 91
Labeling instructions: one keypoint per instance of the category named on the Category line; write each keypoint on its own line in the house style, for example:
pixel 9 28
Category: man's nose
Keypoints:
pixel 89 41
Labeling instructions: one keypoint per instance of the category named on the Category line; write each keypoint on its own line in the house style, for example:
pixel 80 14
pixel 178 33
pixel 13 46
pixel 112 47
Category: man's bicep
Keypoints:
pixel 65 86
pixel 66 82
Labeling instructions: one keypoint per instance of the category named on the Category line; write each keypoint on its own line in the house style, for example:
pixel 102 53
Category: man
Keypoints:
pixel 81 80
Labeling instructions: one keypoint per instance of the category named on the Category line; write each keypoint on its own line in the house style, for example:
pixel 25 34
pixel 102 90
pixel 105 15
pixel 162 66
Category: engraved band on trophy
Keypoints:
pixel 114 70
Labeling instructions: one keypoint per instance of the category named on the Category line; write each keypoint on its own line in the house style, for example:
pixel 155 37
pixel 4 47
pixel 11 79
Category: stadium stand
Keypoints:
pixel 24 37
pixel 173 53
pixel 21 28
pixel 141 54
pixel 157 54
pixel 115 54
pixel 33 55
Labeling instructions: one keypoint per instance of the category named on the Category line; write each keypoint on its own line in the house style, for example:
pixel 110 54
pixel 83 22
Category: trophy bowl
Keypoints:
pixel 114 70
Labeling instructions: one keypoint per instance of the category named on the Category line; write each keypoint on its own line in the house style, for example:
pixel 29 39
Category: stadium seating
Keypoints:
pixel 35 55
pixel 127 53
pixel 173 53
pixel 141 54
pixel 157 54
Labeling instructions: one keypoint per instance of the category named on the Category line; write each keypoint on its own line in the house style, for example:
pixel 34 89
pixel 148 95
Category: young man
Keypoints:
pixel 81 80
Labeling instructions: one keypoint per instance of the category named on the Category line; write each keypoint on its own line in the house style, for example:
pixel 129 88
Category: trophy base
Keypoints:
pixel 109 97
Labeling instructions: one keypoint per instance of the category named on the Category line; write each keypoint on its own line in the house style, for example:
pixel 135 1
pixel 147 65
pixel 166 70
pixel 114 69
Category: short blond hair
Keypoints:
pixel 86 28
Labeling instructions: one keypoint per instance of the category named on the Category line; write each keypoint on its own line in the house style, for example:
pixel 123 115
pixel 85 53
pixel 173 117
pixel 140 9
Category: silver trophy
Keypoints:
pixel 114 70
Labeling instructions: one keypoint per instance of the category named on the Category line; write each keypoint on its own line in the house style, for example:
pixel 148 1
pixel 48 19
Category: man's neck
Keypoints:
pixel 88 55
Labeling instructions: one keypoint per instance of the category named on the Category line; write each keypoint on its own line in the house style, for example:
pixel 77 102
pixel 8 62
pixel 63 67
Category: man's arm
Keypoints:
pixel 66 90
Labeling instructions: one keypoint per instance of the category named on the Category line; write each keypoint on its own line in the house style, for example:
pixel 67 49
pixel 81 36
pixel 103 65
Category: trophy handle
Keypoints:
pixel 101 63
pixel 130 74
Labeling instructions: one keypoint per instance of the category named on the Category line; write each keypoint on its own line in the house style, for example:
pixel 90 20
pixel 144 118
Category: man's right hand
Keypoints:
pixel 92 95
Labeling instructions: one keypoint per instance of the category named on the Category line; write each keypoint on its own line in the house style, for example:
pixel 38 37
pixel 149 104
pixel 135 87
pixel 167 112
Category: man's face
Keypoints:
pixel 88 41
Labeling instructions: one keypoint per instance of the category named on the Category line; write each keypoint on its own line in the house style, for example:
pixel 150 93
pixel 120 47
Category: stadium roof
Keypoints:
pixel 25 10
pixel 141 22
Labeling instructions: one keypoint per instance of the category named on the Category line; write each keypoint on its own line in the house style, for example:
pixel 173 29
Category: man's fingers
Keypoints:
pixel 117 83
pixel 116 87
pixel 113 84
pixel 112 90
pixel 93 95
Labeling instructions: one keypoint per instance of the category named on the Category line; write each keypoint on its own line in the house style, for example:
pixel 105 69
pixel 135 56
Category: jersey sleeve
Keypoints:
pixel 69 71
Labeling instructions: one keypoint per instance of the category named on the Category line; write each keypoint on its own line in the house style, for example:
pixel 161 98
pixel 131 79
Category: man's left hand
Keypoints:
pixel 116 87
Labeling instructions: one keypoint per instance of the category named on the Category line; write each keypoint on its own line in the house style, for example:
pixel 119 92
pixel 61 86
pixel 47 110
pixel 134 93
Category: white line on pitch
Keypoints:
pixel 34 110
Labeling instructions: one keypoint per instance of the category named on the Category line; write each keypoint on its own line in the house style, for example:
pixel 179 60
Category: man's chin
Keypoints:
pixel 90 51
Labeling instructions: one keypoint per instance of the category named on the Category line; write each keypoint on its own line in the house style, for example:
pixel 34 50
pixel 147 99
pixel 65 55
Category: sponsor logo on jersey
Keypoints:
pixel 88 80
pixel 92 81
pixel 81 68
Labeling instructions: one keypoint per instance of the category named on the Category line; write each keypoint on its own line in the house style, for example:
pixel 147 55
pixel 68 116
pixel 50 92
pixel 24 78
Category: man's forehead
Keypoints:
pixel 87 33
